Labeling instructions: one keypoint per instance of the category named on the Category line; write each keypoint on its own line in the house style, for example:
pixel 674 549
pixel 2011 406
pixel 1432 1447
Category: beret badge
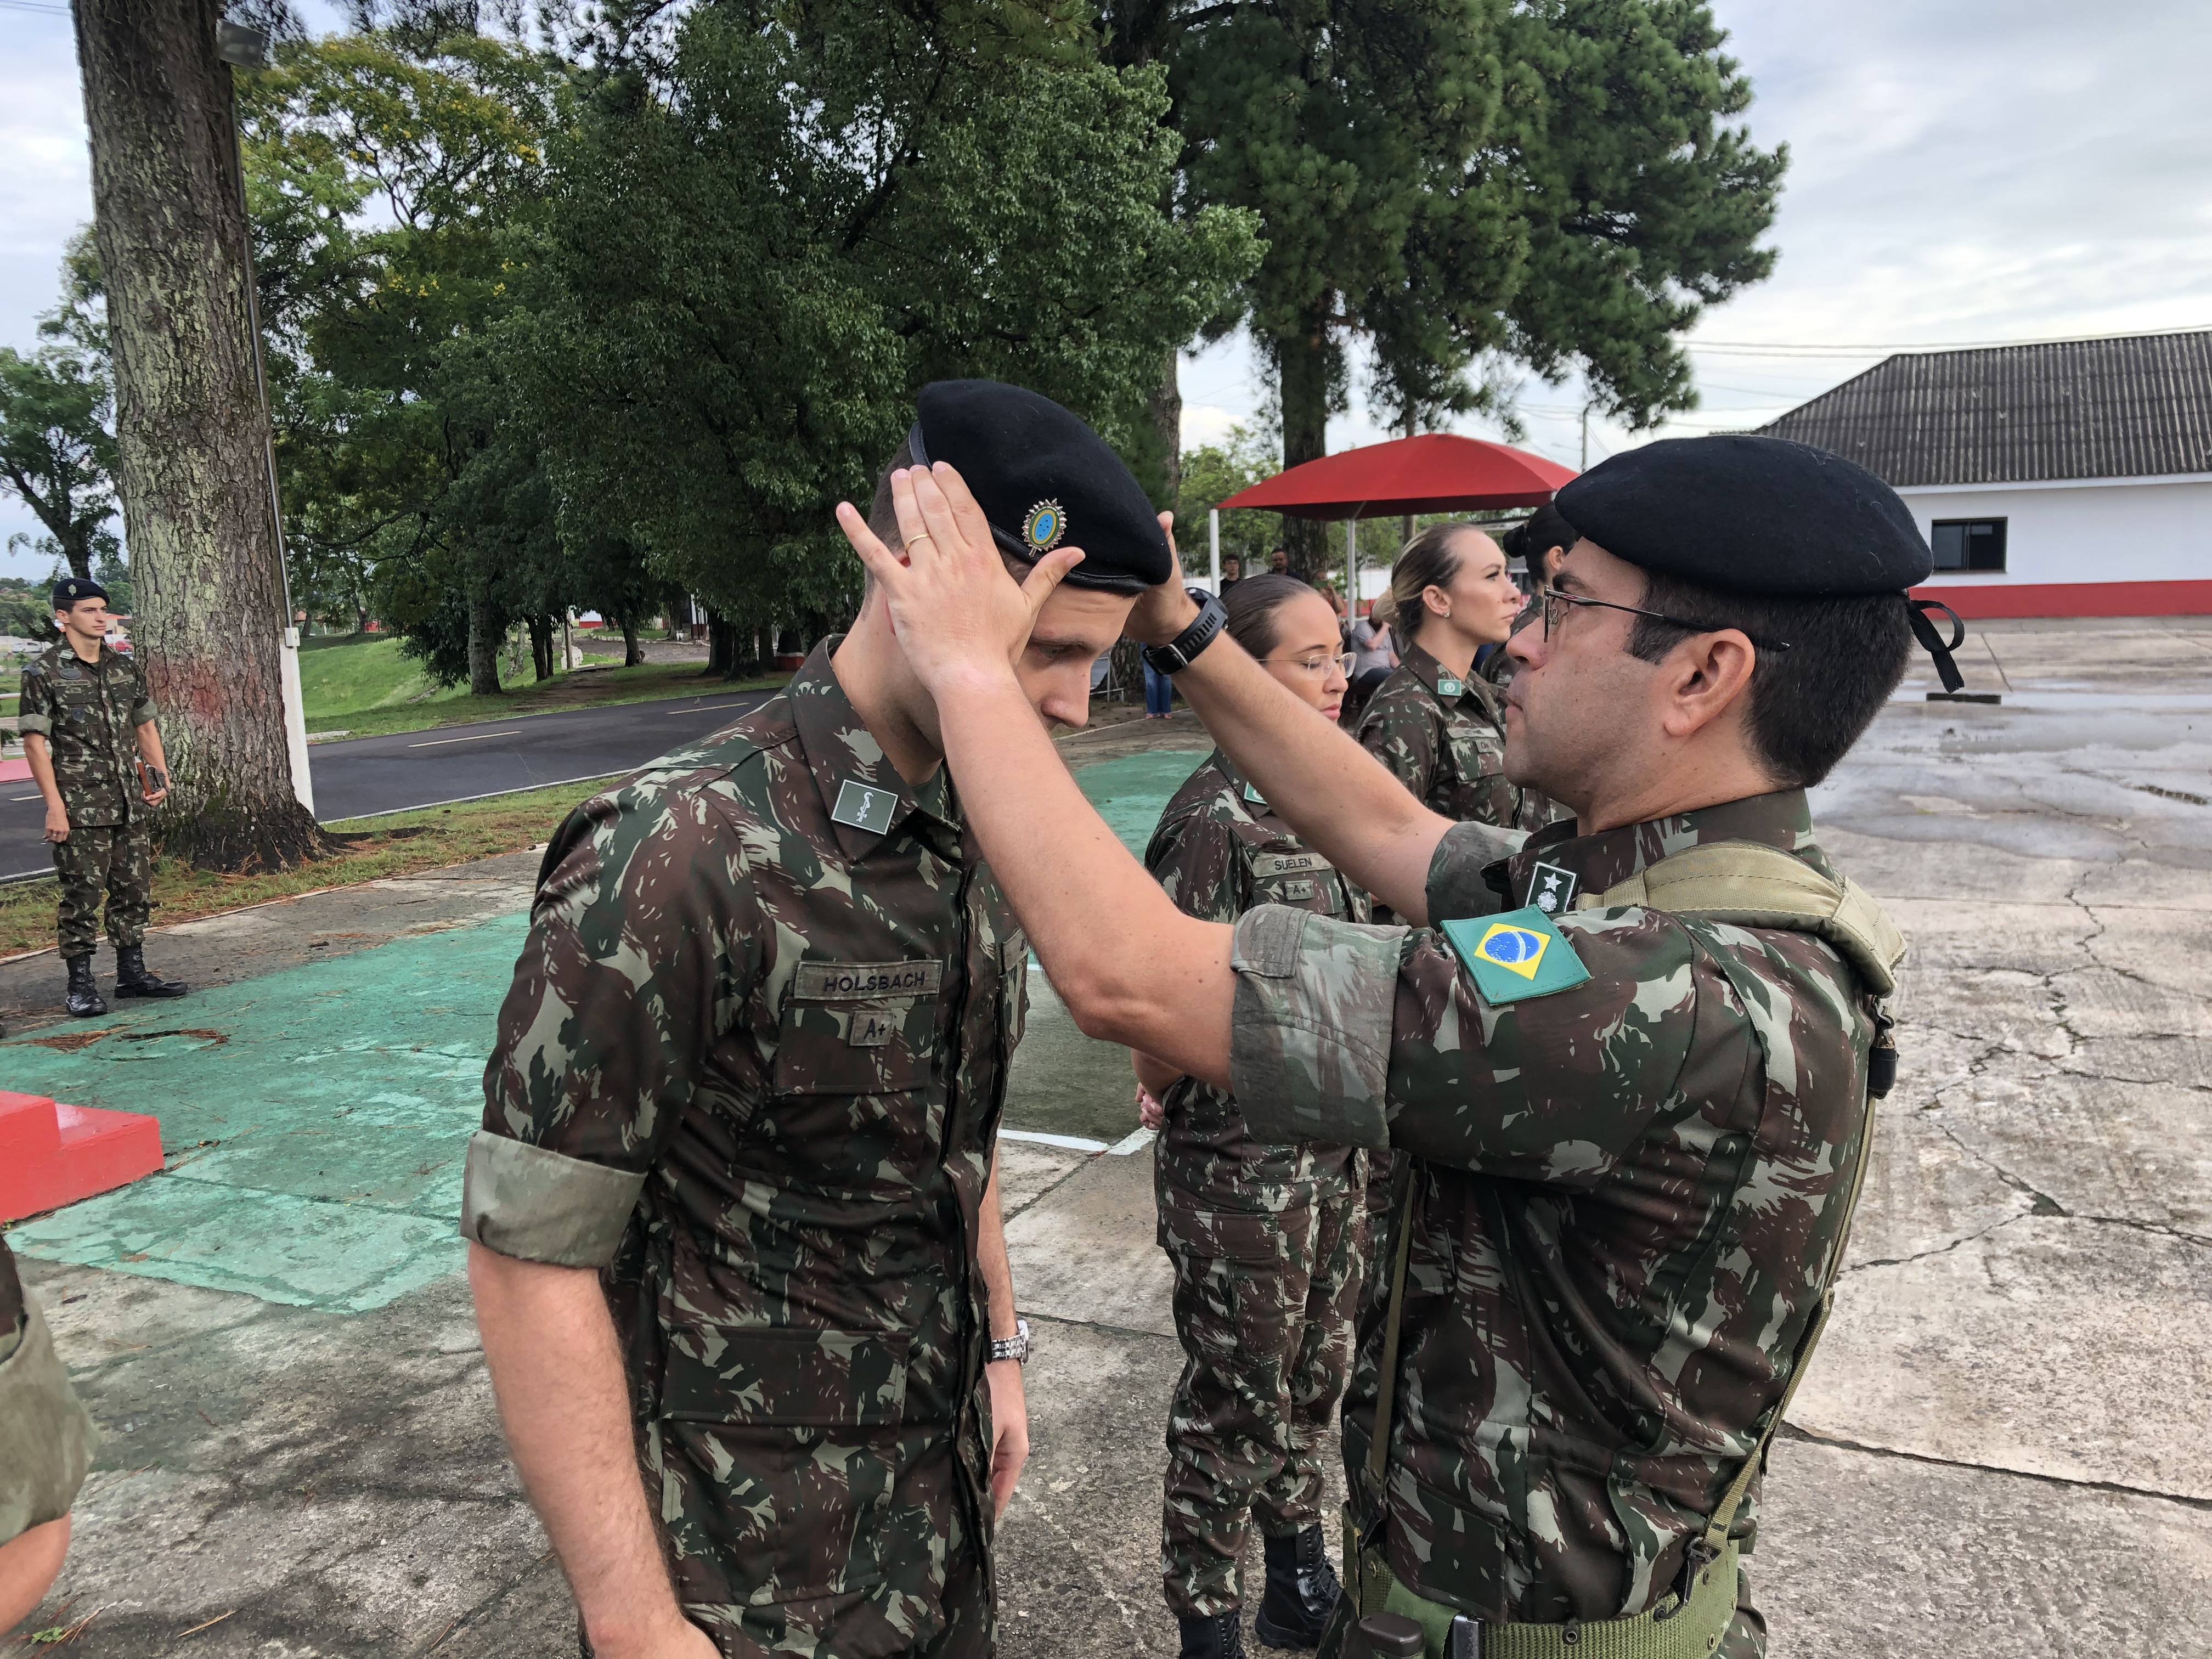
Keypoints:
pixel 1043 526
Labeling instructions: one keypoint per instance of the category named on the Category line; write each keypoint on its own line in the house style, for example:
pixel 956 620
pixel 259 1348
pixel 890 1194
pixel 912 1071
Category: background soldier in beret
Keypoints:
pixel 746 1095
pixel 1632 1108
pixel 1541 541
pixel 1266 1241
pixel 47 1444
pixel 87 726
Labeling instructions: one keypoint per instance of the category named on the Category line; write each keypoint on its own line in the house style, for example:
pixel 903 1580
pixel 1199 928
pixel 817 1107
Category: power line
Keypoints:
pixel 34 6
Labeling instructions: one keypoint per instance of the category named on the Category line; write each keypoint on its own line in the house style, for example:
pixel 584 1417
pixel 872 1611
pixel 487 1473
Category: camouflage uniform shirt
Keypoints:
pixel 1449 751
pixel 751 1067
pixel 1629 1196
pixel 1219 850
pixel 89 713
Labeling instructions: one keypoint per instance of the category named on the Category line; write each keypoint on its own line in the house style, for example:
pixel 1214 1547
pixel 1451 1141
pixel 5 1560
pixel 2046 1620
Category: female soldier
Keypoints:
pixel 1435 724
pixel 1266 1241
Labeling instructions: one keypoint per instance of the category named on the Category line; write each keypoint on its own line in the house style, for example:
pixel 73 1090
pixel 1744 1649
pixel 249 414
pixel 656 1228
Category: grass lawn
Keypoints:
pixel 361 685
pixel 395 845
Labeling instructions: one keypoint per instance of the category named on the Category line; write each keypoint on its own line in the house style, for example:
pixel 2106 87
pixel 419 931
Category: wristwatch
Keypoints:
pixel 1179 653
pixel 1015 1347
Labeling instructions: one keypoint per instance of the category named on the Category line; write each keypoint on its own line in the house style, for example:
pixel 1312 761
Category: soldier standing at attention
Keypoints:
pixel 87 726
pixel 1634 1121
pixel 1266 1241
pixel 733 1213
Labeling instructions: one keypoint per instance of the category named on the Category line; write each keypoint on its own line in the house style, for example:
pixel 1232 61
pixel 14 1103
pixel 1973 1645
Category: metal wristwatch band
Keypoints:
pixel 1179 653
pixel 1015 1347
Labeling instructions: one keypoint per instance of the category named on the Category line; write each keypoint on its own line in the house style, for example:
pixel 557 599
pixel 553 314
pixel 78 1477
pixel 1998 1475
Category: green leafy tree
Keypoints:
pixel 391 182
pixel 1211 474
pixel 57 424
pixel 766 233
pixel 1468 186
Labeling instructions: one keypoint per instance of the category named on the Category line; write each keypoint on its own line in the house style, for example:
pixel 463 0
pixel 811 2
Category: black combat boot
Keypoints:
pixel 1300 1594
pixel 1221 1637
pixel 84 1000
pixel 133 979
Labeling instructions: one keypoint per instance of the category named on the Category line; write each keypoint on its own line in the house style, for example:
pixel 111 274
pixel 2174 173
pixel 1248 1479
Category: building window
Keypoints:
pixel 1969 543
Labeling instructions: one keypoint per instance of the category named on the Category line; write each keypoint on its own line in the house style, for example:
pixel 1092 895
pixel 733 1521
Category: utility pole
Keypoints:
pixel 1585 467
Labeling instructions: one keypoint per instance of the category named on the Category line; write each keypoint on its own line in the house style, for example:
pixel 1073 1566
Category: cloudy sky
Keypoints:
pixel 1962 171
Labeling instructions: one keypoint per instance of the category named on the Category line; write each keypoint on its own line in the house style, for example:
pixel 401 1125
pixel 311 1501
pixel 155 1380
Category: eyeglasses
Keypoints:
pixel 1552 602
pixel 1318 664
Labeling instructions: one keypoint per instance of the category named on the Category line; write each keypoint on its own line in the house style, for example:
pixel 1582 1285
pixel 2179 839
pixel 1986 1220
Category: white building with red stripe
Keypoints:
pixel 2068 479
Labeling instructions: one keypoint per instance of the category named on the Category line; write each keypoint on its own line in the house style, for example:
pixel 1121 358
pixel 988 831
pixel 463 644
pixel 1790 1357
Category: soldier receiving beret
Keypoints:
pixel 90 733
pixel 733 1213
pixel 1628 1060
pixel 1266 1240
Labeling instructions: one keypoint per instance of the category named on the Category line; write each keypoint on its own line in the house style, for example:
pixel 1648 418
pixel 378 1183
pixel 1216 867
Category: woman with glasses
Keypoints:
pixel 1435 724
pixel 1266 1241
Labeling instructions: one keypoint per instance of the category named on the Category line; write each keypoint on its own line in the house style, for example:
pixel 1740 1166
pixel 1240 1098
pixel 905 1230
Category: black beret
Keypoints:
pixel 1043 478
pixel 1750 514
pixel 69 589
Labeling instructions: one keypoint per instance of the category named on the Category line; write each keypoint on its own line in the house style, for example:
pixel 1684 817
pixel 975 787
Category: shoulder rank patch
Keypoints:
pixel 1551 888
pixel 864 808
pixel 1515 956
pixel 1252 794
pixel 1447 686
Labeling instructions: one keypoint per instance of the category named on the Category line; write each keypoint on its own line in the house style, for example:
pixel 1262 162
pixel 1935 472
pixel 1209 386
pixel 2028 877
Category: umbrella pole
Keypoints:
pixel 1352 569
pixel 1213 548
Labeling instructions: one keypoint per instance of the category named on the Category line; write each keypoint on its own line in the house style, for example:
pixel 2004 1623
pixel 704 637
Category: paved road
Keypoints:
pixel 356 776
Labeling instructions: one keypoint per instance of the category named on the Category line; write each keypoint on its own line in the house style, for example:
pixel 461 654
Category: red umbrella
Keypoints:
pixel 1436 472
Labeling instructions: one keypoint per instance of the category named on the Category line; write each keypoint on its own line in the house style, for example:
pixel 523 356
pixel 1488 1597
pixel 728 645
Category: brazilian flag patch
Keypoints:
pixel 1515 956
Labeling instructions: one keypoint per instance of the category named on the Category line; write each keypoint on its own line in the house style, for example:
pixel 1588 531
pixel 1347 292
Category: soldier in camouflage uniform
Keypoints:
pixel 1438 727
pixel 1266 1241
pixel 87 722
pixel 47 1444
pixel 1634 1108
pixel 1540 543
pixel 750 1075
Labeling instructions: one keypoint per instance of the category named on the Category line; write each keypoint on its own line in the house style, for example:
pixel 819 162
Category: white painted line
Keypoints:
pixel 1135 1141
pixel 1072 1143
pixel 709 708
pixel 462 800
pixel 475 738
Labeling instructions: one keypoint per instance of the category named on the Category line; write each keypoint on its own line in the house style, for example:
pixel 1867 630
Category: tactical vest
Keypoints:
pixel 1746 885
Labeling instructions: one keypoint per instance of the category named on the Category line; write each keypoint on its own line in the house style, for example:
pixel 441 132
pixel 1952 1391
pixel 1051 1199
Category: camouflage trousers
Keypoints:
pixel 1263 1306
pixel 114 858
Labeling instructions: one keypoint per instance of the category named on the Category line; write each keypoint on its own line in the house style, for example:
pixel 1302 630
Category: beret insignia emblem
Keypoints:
pixel 1044 527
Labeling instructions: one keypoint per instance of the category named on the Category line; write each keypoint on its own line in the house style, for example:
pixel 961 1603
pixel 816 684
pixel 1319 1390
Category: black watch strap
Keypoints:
pixel 1179 653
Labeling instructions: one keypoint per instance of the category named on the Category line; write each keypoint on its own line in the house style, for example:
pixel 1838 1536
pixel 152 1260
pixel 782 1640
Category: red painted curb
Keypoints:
pixel 52 1155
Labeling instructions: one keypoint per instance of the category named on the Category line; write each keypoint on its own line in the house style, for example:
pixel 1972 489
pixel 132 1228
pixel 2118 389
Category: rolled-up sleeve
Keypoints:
pixel 34 710
pixel 47 1440
pixel 523 1200
pixel 644 931
pixel 1309 1041
pixel 1456 889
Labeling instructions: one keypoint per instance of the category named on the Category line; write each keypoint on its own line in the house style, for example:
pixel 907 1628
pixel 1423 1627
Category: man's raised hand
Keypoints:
pixel 952 604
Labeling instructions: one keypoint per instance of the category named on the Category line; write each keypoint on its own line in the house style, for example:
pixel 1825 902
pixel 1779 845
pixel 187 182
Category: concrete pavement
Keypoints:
pixel 2000 1449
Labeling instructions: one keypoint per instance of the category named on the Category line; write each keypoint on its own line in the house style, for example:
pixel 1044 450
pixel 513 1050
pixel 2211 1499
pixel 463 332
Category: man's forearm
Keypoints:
pixel 1132 968
pixel 42 769
pixel 149 746
pixel 1339 799
pixel 991 1257
pixel 557 1373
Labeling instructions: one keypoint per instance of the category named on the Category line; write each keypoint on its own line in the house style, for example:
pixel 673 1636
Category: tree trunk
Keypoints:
pixel 633 652
pixel 721 645
pixel 1158 464
pixel 1302 366
pixel 485 636
pixel 541 647
pixel 192 435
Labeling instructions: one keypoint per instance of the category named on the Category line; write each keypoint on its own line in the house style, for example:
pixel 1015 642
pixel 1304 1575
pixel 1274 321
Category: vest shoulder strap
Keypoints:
pixel 1752 886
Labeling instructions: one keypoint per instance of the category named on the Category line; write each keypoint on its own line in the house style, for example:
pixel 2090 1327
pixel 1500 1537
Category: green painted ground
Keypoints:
pixel 315 1119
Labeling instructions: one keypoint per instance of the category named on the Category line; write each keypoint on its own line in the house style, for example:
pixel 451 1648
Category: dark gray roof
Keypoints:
pixel 2073 409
